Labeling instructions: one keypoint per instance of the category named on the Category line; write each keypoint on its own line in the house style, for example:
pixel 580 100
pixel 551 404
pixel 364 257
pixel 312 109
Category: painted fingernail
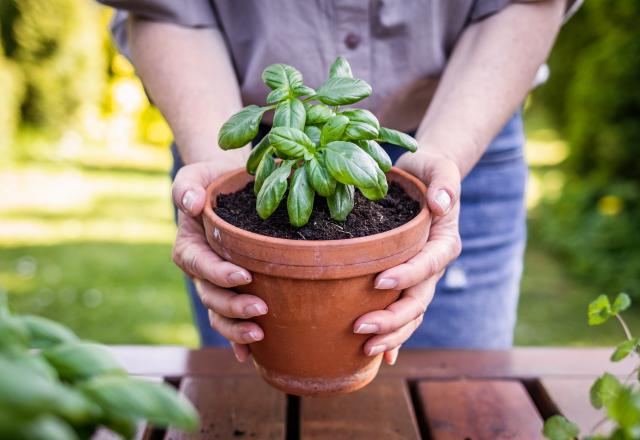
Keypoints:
pixel 443 200
pixel 238 278
pixel 255 310
pixel 376 349
pixel 386 283
pixel 394 357
pixel 251 336
pixel 188 199
pixel 365 329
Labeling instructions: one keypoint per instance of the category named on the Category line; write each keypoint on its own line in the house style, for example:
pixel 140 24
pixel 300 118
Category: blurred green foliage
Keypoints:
pixel 53 45
pixel 593 97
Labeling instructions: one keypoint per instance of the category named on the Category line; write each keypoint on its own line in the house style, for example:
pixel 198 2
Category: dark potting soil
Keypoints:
pixel 367 217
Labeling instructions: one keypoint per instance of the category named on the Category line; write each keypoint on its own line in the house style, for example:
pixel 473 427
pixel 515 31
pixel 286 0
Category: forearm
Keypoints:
pixel 488 75
pixel 189 76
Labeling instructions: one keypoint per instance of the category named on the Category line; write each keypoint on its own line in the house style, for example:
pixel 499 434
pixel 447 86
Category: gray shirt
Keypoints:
pixel 400 47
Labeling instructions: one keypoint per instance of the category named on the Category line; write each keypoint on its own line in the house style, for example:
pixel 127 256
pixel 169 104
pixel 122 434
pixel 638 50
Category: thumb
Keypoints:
pixel 190 187
pixel 443 182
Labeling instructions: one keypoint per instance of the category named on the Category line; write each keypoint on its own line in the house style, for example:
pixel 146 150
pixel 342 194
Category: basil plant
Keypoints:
pixel 324 148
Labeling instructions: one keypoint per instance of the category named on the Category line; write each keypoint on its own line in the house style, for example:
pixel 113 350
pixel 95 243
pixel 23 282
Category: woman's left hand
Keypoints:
pixel 418 276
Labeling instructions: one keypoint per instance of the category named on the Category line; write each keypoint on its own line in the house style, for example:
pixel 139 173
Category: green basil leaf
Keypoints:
pixel 624 349
pixel 266 166
pixel 155 402
pixel 314 134
pixel 44 332
pixel 290 113
pixel 76 361
pixel 277 95
pixel 240 128
pixel 319 176
pixel 281 76
pixel 340 203
pixel 45 427
pixel 559 428
pixel 273 190
pixel 350 165
pixel 378 192
pixel 362 124
pixel 342 91
pixel 625 410
pixel 340 68
pixel 303 90
pixel 300 200
pixel 14 335
pixel 333 129
pixel 26 390
pixel 604 390
pixel 621 303
pixel 291 143
pixel 398 138
pixel 319 114
pixel 256 155
pixel 599 310
pixel 373 149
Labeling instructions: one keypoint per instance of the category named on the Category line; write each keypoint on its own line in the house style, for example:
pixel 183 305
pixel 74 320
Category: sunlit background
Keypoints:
pixel 86 224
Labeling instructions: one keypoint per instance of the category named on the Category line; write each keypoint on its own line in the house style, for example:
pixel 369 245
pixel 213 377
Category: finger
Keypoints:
pixel 443 187
pixel 441 249
pixel 238 331
pixel 391 356
pixel 412 304
pixel 193 255
pixel 381 343
pixel 190 184
pixel 240 351
pixel 228 303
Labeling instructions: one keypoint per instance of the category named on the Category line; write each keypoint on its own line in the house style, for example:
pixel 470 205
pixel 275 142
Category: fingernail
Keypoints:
pixel 443 200
pixel 364 329
pixel 238 278
pixel 386 283
pixel 394 357
pixel 236 354
pixel 376 349
pixel 255 310
pixel 251 336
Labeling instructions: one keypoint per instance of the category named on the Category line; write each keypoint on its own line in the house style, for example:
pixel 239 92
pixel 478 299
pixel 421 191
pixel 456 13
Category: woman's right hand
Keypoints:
pixel 212 275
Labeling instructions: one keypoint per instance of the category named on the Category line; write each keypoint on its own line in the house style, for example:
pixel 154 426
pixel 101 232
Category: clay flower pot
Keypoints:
pixel 315 290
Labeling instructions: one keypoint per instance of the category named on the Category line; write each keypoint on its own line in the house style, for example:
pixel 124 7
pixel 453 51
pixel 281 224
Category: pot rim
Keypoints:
pixel 422 215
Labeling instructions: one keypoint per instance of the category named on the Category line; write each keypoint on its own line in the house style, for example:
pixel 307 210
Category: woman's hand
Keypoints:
pixel 212 275
pixel 418 276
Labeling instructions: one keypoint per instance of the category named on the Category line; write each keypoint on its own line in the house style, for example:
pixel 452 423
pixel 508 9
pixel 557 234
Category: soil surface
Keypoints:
pixel 367 217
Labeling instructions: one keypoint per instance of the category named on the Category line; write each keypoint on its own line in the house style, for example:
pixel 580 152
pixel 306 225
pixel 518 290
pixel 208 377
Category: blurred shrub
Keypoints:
pixel 11 94
pixel 55 45
pixel 594 98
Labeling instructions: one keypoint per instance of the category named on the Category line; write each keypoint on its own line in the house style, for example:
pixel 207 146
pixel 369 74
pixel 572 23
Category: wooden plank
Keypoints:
pixel 234 407
pixel 479 409
pixel 570 397
pixel 383 409
pixel 524 362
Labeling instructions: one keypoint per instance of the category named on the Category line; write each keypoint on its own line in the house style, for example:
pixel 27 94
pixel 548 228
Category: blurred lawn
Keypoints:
pixel 90 246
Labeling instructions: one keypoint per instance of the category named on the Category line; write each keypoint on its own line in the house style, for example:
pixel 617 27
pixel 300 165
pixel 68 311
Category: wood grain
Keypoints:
pixel 478 410
pixel 381 410
pixel 234 407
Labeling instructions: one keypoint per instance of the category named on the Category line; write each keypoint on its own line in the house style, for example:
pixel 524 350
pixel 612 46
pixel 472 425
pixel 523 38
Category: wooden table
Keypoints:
pixel 434 394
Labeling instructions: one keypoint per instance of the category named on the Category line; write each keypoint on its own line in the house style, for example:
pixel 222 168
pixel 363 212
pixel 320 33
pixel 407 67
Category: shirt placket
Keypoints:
pixel 353 36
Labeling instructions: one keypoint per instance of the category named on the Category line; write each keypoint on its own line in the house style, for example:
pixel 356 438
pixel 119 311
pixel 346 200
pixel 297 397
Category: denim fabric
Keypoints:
pixel 476 299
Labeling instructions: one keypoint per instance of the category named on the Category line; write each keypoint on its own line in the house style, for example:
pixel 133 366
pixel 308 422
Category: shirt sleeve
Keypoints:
pixel 484 8
pixel 189 13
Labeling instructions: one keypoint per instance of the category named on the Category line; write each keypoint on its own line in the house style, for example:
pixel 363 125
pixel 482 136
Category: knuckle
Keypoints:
pixel 456 247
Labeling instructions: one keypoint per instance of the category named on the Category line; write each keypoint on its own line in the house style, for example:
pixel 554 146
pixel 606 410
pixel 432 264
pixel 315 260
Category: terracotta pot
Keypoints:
pixel 315 290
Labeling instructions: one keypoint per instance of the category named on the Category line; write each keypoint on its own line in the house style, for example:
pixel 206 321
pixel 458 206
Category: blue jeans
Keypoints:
pixel 476 299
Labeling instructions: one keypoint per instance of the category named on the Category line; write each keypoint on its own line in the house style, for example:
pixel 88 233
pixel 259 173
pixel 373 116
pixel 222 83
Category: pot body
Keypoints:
pixel 315 290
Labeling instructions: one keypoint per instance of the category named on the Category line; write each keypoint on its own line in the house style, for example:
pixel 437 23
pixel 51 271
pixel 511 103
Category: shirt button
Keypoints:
pixel 352 40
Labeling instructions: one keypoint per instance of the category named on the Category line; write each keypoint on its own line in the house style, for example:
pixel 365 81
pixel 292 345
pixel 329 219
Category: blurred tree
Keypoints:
pixel 11 94
pixel 593 97
pixel 55 45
